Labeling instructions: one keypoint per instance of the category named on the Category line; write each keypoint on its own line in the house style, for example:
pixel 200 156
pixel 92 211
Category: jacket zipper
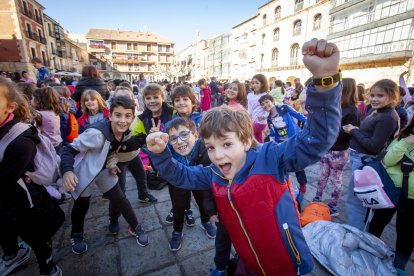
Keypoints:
pixel 242 225
pixel 292 245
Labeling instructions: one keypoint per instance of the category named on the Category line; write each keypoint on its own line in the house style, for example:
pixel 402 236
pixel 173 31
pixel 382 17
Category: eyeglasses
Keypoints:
pixel 183 135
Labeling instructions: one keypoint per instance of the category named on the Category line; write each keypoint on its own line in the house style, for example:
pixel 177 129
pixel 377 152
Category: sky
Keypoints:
pixel 176 20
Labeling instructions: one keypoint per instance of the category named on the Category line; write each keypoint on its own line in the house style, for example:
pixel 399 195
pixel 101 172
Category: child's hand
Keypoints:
pixel 348 128
pixel 409 139
pixel 157 141
pixel 321 57
pixel 155 127
pixel 69 181
pixel 261 117
pixel 113 171
pixel 214 218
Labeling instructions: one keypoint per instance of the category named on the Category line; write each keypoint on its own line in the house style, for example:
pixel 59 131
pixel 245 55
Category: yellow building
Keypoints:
pixel 127 54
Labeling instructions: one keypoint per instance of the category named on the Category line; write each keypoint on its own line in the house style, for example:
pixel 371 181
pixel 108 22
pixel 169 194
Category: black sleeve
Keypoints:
pixel 18 158
pixel 209 203
pixel 77 93
pixel 67 159
pixel 134 143
pixel 375 142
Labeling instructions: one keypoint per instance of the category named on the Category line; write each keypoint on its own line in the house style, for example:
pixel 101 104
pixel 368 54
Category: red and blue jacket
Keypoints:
pixel 257 207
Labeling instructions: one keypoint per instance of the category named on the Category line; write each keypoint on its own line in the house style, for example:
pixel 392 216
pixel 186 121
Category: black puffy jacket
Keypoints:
pixel 90 83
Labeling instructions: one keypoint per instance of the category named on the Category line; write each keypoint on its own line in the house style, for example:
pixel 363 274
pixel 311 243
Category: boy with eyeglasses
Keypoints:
pixel 183 138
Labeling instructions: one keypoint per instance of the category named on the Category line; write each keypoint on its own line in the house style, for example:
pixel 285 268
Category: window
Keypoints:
pixel 263 39
pixel 159 48
pixel 52 47
pixel 276 33
pixel 278 12
pixel 129 46
pixel 36 15
pixel 130 67
pixel 261 60
pixel 298 5
pixel 297 26
pixel 294 54
pixel 317 22
pixel 25 11
pixel 275 56
pixel 167 49
pixel 44 58
pixel 135 46
pixel 49 27
pixel 113 45
pixel 264 19
pixel 149 47
pixel 39 32
pixel 29 30
pixel 33 52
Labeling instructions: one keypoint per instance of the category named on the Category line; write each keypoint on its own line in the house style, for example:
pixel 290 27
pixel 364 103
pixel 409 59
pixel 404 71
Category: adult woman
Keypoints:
pixel 90 80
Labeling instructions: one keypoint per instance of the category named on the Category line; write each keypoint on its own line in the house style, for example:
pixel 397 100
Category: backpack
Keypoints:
pixel 313 212
pixel 46 161
pixel 374 187
pixel 73 128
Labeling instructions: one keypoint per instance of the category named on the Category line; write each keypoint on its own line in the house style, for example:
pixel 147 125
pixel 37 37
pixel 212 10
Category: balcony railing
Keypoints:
pixel 39 20
pixel 126 61
pixel 42 39
pixel 28 13
pixel 294 61
pixel 297 31
pixel 298 6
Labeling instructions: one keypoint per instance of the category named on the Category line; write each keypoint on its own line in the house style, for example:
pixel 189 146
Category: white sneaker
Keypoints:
pixel 22 256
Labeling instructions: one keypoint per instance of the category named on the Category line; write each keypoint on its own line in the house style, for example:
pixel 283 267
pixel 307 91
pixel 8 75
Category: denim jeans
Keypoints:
pixel 356 212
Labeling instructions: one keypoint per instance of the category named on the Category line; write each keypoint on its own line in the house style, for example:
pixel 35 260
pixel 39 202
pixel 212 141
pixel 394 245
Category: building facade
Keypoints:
pixel 282 27
pixel 243 49
pixel 126 54
pixel 22 35
pixel 376 38
pixel 219 57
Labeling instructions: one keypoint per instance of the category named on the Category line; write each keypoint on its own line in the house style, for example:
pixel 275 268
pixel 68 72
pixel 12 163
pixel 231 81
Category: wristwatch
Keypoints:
pixel 328 80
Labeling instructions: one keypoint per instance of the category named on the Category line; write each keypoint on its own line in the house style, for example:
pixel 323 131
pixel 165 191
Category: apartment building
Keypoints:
pixel 376 38
pixel 126 54
pixel 219 57
pixel 281 28
pixel 243 47
pixel 22 35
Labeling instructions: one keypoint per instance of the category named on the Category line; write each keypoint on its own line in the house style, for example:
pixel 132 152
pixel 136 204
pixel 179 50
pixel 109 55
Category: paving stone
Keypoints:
pixel 136 260
pixel 199 264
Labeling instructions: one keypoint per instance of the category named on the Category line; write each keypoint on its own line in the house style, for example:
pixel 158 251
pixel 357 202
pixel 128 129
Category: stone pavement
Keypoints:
pixel 108 255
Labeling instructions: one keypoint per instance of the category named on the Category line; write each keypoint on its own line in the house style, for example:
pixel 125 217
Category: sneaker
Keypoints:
pixel 216 272
pixel 148 198
pixel 189 219
pixel 141 235
pixel 333 210
pixel 57 271
pixel 175 242
pixel 113 227
pixel 210 229
pixel 170 218
pixel 22 256
pixel 316 199
pixel 79 246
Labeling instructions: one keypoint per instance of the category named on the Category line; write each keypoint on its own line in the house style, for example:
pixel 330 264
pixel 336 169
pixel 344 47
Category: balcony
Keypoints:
pixel 297 31
pixel 126 61
pixel 39 20
pixel 97 46
pixel 28 13
pixel 294 61
pixel 42 39
pixel 298 6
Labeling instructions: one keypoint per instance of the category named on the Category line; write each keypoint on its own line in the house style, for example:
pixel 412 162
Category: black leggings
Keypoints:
pixel 136 168
pixel 404 228
pixel 181 202
pixel 117 198
pixel 223 247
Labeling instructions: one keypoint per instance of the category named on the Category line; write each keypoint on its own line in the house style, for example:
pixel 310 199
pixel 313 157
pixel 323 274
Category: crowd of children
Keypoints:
pixel 234 159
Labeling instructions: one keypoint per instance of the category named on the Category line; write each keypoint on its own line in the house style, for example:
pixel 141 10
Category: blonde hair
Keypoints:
pixel 94 96
pixel 13 96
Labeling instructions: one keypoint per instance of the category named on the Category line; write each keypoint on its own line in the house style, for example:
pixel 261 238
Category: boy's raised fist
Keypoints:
pixel 321 57
pixel 157 141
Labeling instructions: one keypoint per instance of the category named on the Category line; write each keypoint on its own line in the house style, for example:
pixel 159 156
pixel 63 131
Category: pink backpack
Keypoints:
pixel 46 161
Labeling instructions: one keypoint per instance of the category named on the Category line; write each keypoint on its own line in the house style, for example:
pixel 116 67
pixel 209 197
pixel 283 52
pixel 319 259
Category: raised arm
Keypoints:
pixel 191 178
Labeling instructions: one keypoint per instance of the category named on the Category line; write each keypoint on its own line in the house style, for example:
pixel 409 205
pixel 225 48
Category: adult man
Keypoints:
pixel 215 91
pixel 42 72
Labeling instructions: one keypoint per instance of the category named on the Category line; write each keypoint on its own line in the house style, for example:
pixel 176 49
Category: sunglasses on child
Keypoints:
pixel 183 135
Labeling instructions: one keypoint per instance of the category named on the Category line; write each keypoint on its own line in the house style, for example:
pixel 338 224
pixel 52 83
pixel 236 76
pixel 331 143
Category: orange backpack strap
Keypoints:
pixel 73 128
